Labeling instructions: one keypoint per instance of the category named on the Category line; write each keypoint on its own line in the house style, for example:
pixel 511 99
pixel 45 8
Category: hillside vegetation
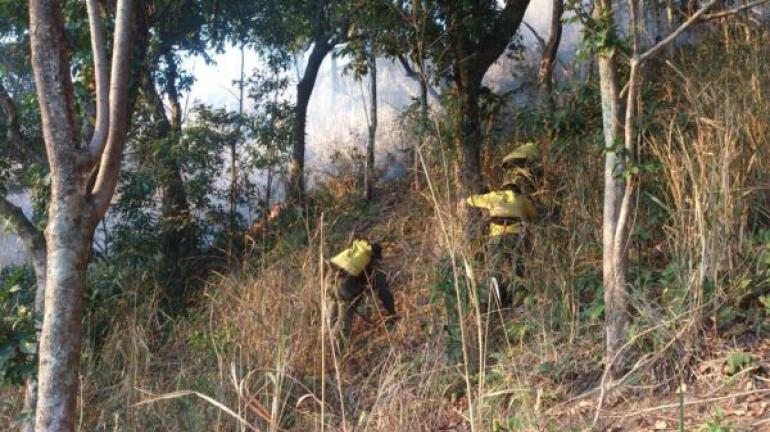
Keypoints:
pixel 250 353
pixel 180 273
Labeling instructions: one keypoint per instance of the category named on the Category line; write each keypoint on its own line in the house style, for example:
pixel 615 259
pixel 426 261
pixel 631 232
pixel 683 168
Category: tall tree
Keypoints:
pixel 614 262
pixel 619 118
pixel 83 180
pixel 312 28
pixel 328 23
pixel 477 33
pixel 551 48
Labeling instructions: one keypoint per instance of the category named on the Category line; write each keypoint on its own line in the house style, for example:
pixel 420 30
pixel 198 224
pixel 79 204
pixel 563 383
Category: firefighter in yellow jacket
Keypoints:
pixel 509 210
pixel 356 269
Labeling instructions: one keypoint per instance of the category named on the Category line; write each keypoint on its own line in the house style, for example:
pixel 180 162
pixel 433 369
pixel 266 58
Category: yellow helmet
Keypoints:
pixel 355 258
pixel 526 151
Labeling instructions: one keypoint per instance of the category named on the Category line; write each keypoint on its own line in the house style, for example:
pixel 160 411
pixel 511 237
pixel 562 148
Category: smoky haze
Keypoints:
pixel 338 111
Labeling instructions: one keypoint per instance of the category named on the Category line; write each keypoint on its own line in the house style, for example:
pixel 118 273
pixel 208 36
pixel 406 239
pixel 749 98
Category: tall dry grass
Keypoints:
pixel 255 353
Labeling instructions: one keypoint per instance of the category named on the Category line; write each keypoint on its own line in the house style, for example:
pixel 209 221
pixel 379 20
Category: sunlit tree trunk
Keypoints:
pixel 614 259
pixel 77 204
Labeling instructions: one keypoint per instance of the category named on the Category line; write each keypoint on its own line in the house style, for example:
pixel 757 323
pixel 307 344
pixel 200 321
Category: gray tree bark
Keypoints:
pixel 77 204
pixel 614 260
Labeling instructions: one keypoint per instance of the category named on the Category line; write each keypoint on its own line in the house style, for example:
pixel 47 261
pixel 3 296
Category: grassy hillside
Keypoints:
pixel 252 353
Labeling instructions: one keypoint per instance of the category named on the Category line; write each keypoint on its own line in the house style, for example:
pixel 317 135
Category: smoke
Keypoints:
pixel 338 111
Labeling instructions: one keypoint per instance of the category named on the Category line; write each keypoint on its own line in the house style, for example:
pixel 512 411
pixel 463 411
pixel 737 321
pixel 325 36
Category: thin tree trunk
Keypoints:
pixel 233 170
pixel 545 73
pixel 30 391
pixel 424 119
pixel 34 242
pixel 177 238
pixel 296 192
pixel 369 172
pixel 614 259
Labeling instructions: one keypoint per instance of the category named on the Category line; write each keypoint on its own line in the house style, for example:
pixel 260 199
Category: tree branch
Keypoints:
pixel 411 73
pixel 109 168
pixel 53 82
pixel 31 236
pixel 494 43
pixel 101 77
pixel 537 36
pixel 670 38
pixel 733 11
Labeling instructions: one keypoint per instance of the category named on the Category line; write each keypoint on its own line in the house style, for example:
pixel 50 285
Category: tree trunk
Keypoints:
pixel 468 133
pixel 77 203
pixel 545 74
pixel 614 258
pixel 369 172
pixel 669 26
pixel 473 53
pixel 233 216
pixel 296 192
pixel 68 237
pixel 424 119
pixel 30 392
pixel 38 253
pixel 177 238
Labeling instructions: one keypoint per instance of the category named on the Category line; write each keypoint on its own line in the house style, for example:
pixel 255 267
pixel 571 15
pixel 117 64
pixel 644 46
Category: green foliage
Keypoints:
pixel 739 361
pixel 716 423
pixel 512 424
pixel 601 33
pixel 447 293
pixel 18 338
pixel 588 287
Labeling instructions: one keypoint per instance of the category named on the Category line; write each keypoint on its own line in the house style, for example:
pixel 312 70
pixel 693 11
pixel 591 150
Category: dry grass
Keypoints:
pixel 254 356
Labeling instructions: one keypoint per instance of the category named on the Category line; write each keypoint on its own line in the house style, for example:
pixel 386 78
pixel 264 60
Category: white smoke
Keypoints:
pixel 338 110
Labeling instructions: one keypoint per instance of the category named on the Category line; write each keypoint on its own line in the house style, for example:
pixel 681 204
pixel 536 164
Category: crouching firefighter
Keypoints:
pixel 356 270
pixel 509 209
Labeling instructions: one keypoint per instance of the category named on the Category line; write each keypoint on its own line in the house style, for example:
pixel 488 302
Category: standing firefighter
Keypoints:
pixel 509 210
pixel 356 269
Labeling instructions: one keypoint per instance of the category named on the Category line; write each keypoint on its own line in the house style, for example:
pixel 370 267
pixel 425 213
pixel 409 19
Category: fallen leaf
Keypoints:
pixel 661 425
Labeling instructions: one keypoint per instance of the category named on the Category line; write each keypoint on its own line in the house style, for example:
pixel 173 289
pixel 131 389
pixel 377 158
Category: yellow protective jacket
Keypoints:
pixel 355 258
pixel 505 204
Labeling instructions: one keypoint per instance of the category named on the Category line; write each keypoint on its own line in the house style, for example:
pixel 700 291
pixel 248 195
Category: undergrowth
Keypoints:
pixel 252 353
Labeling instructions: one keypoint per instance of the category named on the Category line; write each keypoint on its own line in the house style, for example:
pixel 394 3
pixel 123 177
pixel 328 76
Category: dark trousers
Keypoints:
pixel 506 264
pixel 347 295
